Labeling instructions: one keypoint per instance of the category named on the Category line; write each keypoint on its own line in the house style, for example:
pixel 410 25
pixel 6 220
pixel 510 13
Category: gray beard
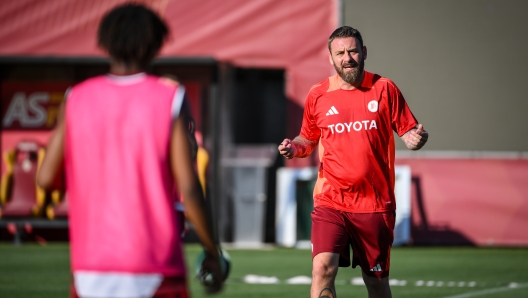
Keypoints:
pixel 353 76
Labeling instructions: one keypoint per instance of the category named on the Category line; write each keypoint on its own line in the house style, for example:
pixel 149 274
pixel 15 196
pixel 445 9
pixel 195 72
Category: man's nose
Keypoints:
pixel 348 57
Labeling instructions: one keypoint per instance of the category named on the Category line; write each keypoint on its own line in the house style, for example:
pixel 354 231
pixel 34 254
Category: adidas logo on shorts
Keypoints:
pixel 376 268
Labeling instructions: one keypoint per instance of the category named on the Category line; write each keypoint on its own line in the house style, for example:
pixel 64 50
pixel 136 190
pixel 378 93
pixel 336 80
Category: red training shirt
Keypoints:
pixel 355 130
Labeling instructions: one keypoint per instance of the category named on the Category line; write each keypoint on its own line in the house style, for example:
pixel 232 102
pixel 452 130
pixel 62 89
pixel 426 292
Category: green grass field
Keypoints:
pixel 30 270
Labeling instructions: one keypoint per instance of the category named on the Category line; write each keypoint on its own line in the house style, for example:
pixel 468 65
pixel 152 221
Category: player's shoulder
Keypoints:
pixel 89 82
pixel 379 80
pixel 86 85
pixel 320 88
pixel 168 81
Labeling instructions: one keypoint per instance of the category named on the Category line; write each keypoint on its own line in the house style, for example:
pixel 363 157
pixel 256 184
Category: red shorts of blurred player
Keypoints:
pixel 170 287
pixel 370 235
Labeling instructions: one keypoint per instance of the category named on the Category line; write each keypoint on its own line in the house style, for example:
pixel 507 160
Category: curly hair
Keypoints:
pixel 132 34
pixel 345 31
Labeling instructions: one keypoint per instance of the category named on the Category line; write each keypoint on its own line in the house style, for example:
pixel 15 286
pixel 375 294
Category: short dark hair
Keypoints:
pixel 132 34
pixel 345 31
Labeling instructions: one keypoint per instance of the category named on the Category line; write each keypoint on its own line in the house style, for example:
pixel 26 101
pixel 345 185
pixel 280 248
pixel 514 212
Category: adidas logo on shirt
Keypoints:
pixel 376 268
pixel 332 111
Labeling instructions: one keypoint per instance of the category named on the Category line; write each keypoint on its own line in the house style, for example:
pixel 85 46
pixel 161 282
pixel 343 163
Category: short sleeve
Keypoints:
pixel 402 119
pixel 309 128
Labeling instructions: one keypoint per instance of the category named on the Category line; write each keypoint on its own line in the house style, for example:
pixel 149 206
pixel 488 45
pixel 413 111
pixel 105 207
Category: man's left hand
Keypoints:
pixel 415 138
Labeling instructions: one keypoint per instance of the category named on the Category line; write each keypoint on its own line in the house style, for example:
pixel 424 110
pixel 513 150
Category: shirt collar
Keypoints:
pixel 127 79
pixel 368 80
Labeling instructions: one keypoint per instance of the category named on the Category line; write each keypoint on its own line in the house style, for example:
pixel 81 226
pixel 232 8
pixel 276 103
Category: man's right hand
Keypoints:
pixel 211 265
pixel 286 149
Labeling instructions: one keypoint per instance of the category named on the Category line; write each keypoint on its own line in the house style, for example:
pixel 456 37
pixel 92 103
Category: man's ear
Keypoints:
pixel 330 58
pixel 364 52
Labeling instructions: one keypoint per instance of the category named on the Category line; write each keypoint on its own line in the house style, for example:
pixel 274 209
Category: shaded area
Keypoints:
pixel 483 201
pixel 425 233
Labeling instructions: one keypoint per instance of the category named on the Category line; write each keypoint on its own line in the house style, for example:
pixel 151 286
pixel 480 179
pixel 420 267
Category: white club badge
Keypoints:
pixel 373 106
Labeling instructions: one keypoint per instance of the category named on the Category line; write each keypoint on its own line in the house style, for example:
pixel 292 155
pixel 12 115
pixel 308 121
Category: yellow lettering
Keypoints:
pixel 56 97
pixel 52 116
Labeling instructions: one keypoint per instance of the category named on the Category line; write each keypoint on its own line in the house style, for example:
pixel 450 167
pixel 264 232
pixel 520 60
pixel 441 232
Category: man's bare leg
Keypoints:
pixel 377 287
pixel 324 271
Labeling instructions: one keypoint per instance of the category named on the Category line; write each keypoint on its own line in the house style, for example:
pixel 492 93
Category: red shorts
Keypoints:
pixel 370 235
pixel 170 287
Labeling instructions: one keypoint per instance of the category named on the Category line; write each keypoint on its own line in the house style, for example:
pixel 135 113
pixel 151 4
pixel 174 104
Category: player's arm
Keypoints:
pixel 191 127
pixel 182 166
pixel 51 170
pixel 415 138
pixel 299 147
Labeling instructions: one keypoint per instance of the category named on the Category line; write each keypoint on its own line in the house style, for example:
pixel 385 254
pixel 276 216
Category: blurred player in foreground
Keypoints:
pixel 351 116
pixel 122 141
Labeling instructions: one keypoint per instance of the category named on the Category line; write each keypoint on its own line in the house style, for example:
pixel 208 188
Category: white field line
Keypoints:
pixel 512 286
pixel 358 281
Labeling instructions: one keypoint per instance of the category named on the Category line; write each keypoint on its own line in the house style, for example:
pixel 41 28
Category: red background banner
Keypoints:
pixel 290 35
pixel 469 201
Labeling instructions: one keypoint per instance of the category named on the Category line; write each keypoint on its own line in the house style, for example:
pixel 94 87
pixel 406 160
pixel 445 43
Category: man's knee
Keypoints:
pixel 324 271
pixel 374 282
pixel 325 266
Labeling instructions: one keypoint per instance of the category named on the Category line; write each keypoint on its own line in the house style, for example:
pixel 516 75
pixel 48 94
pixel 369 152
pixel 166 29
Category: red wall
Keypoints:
pixel 469 201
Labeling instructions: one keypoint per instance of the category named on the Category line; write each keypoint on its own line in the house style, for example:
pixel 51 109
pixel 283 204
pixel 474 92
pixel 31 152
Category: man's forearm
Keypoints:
pixel 302 147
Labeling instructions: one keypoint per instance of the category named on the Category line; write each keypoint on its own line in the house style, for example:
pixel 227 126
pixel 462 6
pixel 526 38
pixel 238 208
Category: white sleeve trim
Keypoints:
pixel 177 102
pixel 67 93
